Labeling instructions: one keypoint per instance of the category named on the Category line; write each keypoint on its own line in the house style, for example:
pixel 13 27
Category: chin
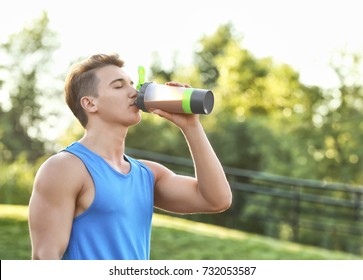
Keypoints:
pixel 136 120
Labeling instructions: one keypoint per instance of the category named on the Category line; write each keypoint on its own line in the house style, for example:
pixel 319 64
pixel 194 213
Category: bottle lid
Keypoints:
pixel 140 97
pixel 201 101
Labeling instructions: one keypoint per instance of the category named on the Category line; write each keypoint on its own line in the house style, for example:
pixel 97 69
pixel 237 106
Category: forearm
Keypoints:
pixel 212 182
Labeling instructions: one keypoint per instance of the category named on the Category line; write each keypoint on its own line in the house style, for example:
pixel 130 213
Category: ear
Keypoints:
pixel 88 104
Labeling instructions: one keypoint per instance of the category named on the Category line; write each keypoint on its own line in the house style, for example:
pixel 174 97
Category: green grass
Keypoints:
pixel 177 239
pixel 14 233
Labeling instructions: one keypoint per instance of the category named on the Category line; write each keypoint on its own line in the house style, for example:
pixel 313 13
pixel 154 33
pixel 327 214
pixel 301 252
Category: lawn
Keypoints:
pixel 177 239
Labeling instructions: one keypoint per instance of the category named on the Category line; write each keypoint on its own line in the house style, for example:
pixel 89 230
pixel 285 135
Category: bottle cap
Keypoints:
pixel 201 101
pixel 140 97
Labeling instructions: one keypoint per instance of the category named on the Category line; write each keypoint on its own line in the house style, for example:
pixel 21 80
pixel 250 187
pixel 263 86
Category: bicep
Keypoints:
pixel 176 193
pixel 50 226
pixel 51 211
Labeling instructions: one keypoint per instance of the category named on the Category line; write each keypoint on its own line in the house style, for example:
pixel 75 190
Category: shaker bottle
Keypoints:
pixel 174 99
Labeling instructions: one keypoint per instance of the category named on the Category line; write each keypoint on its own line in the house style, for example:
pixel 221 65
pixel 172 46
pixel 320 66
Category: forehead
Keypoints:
pixel 110 73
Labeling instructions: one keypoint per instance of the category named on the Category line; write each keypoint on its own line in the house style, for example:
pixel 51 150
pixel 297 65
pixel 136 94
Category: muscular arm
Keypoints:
pixel 209 191
pixel 52 206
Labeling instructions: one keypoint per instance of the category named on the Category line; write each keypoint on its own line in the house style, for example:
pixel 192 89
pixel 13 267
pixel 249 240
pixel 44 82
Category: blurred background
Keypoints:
pixel 287 123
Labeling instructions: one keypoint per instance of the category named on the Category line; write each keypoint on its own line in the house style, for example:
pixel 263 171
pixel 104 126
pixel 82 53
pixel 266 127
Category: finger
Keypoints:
pixel 161 113
pixel 174 84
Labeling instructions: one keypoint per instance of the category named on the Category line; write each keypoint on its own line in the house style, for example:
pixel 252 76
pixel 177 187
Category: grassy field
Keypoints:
pixel 177 239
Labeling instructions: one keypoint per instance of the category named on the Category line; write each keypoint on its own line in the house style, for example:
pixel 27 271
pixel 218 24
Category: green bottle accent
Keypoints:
pixel 141 72
pixel 187 94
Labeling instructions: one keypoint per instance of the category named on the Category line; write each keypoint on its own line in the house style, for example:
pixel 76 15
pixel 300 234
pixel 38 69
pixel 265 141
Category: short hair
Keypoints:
pixel 82 81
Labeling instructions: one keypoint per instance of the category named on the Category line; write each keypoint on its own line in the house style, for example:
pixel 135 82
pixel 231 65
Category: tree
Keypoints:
pixel 209 48
pixel 335 141
pixel 27 55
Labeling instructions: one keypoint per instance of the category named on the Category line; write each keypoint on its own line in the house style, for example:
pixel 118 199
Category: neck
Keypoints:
pixel 105 141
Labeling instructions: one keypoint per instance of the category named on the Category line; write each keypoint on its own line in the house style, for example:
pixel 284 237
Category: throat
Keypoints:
pixel 122 166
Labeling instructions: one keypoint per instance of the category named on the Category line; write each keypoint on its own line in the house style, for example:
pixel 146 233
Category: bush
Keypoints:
pixel 16 181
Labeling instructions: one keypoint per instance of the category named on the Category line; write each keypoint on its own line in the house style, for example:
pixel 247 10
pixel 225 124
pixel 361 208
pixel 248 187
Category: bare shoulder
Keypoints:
pixel 157 169
pixel 61 164
pixel 60 172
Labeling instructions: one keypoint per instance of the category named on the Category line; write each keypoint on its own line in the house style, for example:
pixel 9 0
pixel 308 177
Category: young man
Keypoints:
pixel 91 201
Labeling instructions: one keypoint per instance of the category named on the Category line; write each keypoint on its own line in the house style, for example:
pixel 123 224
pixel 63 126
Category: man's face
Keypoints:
pixel 116 97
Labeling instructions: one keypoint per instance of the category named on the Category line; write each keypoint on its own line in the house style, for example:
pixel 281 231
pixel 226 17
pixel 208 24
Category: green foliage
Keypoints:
pixel 16 180
pixel 27 55
pixel 211 47
pixel 265 119
pixel 338 125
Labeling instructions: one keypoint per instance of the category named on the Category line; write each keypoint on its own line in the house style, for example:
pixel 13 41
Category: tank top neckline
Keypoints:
pixel 105 161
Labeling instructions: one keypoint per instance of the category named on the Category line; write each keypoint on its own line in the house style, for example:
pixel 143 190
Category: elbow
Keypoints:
pixel 227 200
pixel 226 205
pixel 223 204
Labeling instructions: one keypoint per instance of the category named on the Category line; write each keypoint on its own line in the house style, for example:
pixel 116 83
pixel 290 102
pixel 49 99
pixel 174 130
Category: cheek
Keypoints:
pixel 111 104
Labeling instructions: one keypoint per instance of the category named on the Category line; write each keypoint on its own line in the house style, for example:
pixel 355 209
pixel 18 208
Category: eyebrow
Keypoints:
pixel 120 80
pixel 117 80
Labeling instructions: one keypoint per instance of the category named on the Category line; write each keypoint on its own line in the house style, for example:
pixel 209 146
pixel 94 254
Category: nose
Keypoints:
pixel 133 93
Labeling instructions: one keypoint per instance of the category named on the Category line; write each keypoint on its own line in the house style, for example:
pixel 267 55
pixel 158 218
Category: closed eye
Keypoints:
pixel 119 83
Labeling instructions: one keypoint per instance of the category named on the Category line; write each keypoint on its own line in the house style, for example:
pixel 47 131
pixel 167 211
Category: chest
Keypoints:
pixel 109 192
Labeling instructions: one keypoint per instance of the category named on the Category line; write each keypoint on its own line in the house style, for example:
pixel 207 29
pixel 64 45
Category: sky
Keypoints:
pixel 304 34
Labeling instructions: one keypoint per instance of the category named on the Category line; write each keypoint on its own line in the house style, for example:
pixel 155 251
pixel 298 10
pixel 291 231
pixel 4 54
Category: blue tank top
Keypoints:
pixel 117 225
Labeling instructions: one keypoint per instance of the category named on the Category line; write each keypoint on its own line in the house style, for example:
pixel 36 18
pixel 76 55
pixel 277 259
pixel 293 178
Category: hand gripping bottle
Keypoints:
pixel 173 99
